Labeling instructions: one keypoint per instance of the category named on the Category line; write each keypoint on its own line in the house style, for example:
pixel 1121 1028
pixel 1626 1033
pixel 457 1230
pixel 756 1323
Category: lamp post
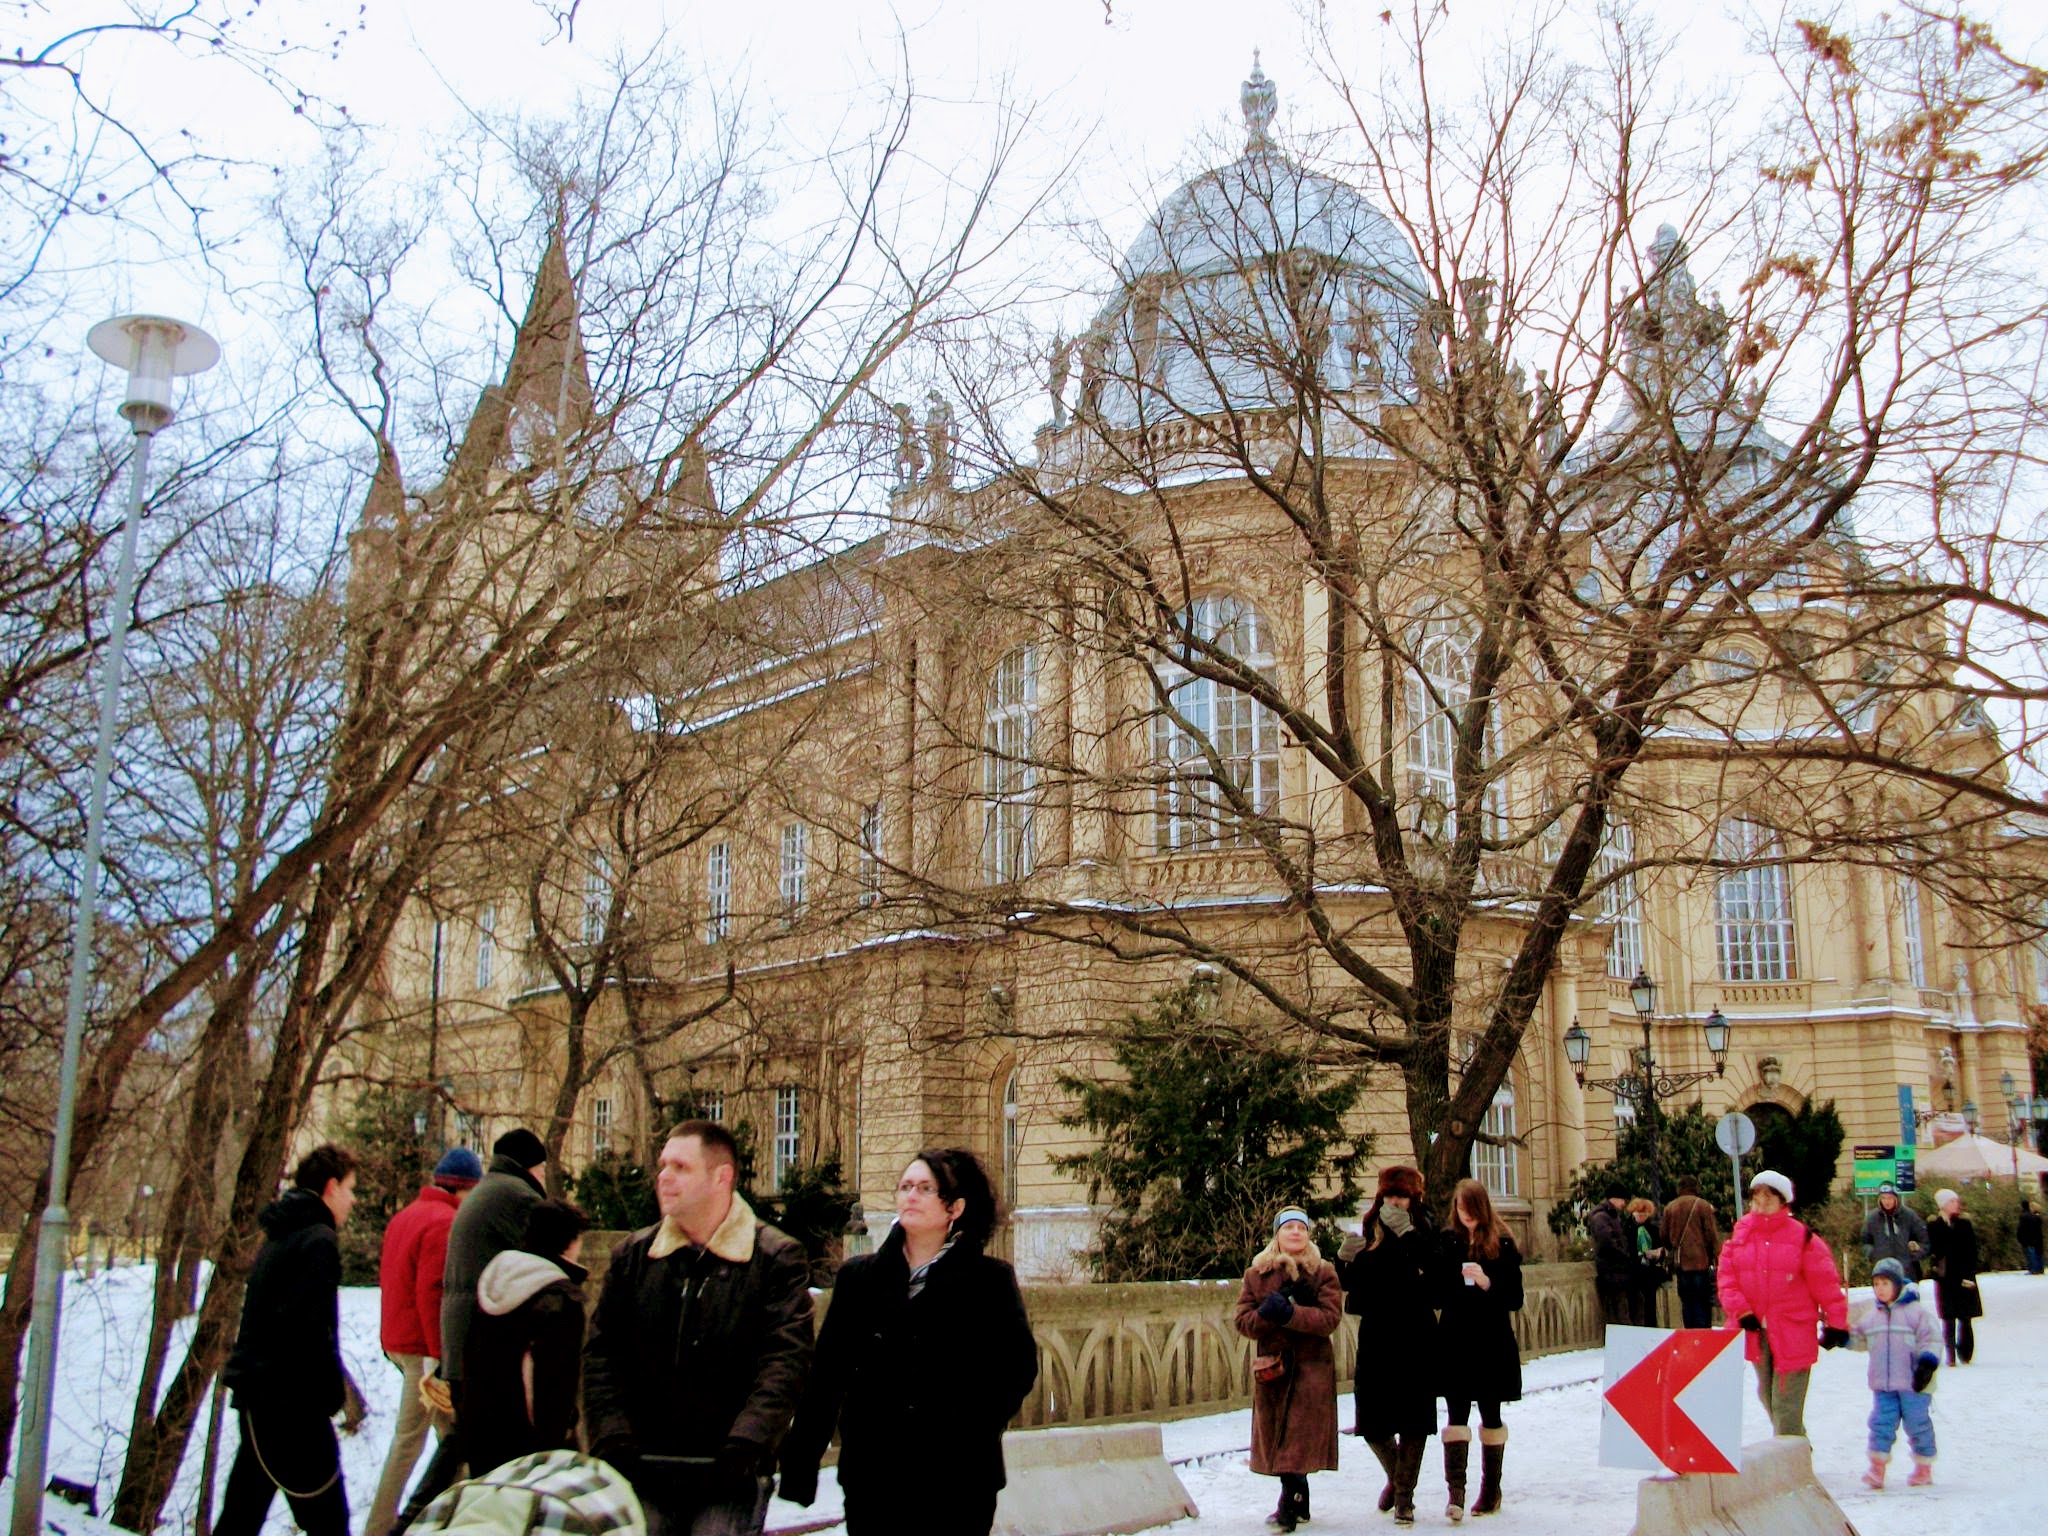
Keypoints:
pixel 154 351
pixel 2019 1119
pixel 1644 1082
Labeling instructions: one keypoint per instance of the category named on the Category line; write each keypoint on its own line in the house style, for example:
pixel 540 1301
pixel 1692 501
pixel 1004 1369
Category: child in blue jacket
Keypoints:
pixel 1903 1339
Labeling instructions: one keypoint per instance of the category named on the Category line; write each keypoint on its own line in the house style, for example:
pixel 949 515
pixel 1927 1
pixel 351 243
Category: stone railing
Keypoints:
pixel 1170 1350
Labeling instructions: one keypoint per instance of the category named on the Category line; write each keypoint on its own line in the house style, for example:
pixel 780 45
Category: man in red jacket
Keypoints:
pixel 409 1273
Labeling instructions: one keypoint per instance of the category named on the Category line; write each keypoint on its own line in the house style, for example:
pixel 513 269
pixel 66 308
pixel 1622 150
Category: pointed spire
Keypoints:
pixel 1259 101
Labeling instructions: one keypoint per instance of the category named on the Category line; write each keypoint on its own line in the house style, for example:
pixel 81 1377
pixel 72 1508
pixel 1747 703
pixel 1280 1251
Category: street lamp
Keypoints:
pixel 153 350
pixel 1971 1118
pixel 1643 1082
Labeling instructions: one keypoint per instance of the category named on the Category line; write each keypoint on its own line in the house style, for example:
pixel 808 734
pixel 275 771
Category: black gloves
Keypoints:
pixel 1923 1372
pixel 1750 1322
pixel 1833 1338
pixel 1276 1308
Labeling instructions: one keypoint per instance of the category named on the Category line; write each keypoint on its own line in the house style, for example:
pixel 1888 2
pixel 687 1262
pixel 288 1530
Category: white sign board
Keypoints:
pixel 1671 1400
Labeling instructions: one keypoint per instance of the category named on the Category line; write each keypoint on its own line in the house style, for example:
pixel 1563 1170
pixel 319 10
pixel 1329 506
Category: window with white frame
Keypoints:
pixel 1201 718
pixel 597 899
pixel 1620 904
pixel 439 977
pixel 600 1127
pixel 711 1106
pixel 1009 775
pixel 789 1127
pixel 717 893
pixel 1916 937
pixel 1753 906
pixel 870 853
pixel 486 945
pixel 1013 1139
pixel 469 1131
pixel 795 882
pixel 1496 1166
pixel 1439 688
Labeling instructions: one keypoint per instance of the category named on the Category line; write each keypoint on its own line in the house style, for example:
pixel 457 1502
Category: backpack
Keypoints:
pixel 548 1491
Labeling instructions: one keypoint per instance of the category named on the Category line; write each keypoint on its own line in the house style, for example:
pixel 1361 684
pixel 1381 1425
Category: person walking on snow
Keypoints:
pixel 1692 1233
pixel 2029 1232
pixel 525 1350
pixel 1479 1289
pixel 1289 1305
pixel 409 1277
pixel 1895 1231
pixel 1901 1337
pixel 1952 1242
pixel 1777 1282
pixel 1385 1268
pixel 286 1371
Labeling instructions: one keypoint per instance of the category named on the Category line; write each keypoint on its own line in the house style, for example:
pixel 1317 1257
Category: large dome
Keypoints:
pixel 1244 278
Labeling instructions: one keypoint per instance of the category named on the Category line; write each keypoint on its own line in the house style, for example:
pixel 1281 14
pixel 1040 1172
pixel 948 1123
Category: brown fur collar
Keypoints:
pixel 733 1241
pixel 1270 1256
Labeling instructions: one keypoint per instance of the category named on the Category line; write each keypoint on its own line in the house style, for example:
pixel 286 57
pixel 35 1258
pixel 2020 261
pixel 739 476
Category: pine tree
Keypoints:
pixel 1204 1138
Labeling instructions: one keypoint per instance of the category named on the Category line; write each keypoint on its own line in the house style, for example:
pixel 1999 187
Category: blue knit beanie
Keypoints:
pixel 458 1169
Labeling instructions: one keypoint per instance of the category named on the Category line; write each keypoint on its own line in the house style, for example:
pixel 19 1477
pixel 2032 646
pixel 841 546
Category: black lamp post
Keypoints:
pixel 1643 1082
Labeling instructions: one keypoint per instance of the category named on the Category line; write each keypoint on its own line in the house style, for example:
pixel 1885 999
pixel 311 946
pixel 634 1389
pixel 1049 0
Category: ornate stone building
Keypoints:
pixel 943 806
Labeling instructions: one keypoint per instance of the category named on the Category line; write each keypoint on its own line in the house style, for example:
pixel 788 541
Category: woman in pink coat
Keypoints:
pixel 1778 1281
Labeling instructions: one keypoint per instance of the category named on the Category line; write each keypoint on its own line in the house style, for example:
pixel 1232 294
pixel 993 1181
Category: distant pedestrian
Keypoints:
pixel 1386 1270
pixel 1289 1304
pixel 1952 1243
pixel 1901 1337
pixel 524 1355
pixel 699 1347
pixel 1895 1231
pixel 1778 1282
pixel 924 1357
pixel 410 1272
pixel 1650 1271
pixel 1613 1232
pixel 492 1219
pixel 2029 1233
pixel 1692 1236
pixel 1479 1289
pixel 286 1371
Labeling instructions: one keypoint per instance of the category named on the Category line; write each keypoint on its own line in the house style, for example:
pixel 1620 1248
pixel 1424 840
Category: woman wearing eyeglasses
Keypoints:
pixel 924 1358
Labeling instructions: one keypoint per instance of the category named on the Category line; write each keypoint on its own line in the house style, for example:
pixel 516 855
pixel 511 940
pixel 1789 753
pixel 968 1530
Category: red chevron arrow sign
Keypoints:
pixel 1673 1400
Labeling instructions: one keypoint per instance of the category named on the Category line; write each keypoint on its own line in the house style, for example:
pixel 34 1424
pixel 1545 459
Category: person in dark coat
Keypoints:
pixel 525 1351
pixel 1289 1306
pixel 1479 1289
pixel 924 1358
pixel 1895 1231
pixel 1385 1268
pixel 2029 1234
pixel 1613 1232
pixel 410 1272
pixel 492 1219
pixel 1692 1235
pixel 699 1347
pixel 285 1370
pixel 1952 1247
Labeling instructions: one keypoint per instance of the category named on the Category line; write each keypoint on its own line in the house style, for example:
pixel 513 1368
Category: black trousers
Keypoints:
pixel 890 1511
pixel 292 1451
pixel 1457 1410
pixel 1615 1301
pixel 1696 1298
pixel 1960 1335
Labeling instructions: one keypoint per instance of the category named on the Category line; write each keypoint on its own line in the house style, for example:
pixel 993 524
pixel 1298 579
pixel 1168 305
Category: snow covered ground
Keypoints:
pixel 1988 1417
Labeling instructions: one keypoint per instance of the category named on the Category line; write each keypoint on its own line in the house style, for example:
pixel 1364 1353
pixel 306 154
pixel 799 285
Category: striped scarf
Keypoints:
pixel 919 1274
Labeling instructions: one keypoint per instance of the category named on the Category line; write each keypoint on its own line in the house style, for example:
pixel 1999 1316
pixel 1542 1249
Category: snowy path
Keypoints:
pixel 1988 1417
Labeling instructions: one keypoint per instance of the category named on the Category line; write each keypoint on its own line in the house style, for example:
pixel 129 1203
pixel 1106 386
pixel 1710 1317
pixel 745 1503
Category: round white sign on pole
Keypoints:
pixel 1735 1133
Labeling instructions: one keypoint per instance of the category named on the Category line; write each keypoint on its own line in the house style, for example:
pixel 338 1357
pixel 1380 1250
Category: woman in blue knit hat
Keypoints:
pixel 1288 1307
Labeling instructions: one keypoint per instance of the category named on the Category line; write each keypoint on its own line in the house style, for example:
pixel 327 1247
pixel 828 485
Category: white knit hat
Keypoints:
pixel 1769 1180
pixel 1943 1196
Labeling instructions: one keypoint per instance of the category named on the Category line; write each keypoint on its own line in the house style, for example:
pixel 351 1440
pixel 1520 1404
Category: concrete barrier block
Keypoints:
pixel 1775 1494
pixel 1090 1481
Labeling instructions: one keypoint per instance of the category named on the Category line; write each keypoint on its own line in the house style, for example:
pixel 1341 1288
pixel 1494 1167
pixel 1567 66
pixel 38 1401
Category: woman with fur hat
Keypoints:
pixel 1288 1307
pixel 1952 1247
pixel 1479 1289
pixel 1778 1282
pixel 1386 1272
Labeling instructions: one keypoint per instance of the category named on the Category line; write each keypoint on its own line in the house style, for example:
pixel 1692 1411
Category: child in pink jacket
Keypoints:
pixel 1778 1281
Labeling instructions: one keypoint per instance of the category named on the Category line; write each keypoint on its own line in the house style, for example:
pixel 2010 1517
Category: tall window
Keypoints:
pixel 1496 1166
pixel 870 853
pixel 1753 907
pixel 711 1106
pixel 469 1131
pixel 600 1127
pixel 1909 919
pixel 1008 774
pixel 789 1126
pixel 1190 807
pixel 486 944
pixel 1013 1140
pixel 440 957
pixel 1620 905
pixel 1439 688
pixel 717 892
pixel 796 869
pixel 597 899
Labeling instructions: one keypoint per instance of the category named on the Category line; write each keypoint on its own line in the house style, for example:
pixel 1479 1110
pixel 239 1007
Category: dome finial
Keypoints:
pixel 1259 101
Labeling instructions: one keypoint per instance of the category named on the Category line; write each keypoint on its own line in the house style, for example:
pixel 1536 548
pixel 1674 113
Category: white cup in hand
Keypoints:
pixel 1470 1271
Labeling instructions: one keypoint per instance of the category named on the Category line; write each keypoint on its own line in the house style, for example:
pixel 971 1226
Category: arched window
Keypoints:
pixel 1916 935
pixel 1620 905
pixel 1191 808
pixel 1013 1139
pixel 1008 772
pixel 1753 906
pixel 1438 690
pixel 1496 1166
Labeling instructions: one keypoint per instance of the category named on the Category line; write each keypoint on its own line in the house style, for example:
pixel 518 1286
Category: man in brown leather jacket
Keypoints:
pixel 1691 1232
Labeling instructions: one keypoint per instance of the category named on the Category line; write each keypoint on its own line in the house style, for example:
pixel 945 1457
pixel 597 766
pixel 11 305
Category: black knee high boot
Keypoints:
pixel 1389 1458
pixel 1493 1450
pixel 1407 1468
pixel 1457 1451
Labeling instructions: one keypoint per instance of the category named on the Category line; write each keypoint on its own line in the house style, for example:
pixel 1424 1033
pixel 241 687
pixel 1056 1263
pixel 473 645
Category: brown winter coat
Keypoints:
pixel 1691 1231
pixel 1294 1419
